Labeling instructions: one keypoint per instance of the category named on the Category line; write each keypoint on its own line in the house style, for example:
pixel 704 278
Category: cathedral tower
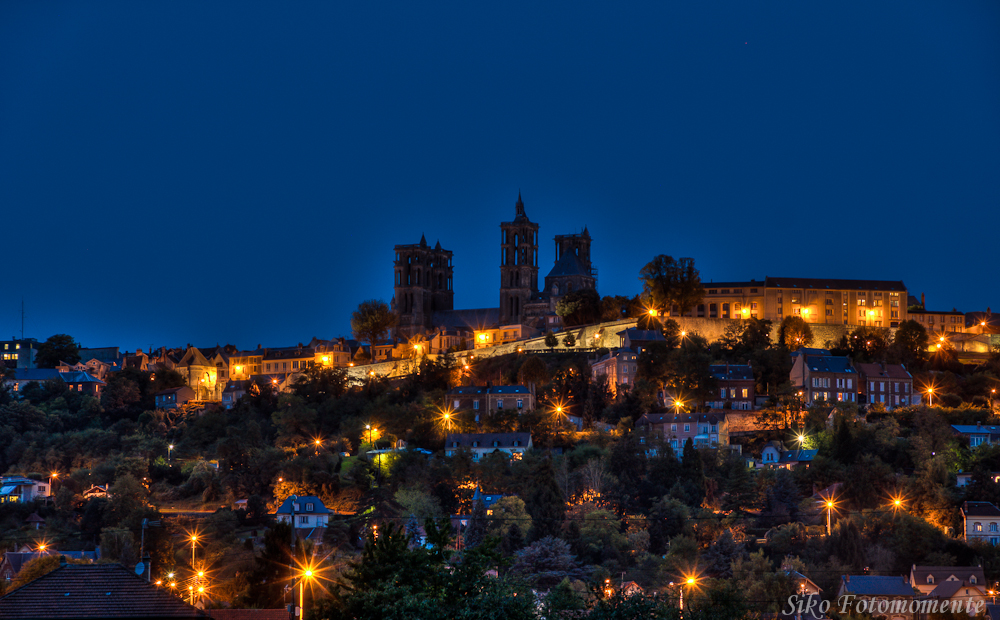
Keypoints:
pixel 518 265
pixel 423 286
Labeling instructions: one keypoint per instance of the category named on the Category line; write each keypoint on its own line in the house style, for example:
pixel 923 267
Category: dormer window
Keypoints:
pixel 972 579
pixel 309 507
pixel 496 444
pixel 930 578
pixel 295 507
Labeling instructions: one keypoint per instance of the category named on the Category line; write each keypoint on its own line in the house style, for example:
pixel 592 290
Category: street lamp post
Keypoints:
pixel 369 427
pixel 829 510
pixel 170 449
pixel 194 539
pixel 930 396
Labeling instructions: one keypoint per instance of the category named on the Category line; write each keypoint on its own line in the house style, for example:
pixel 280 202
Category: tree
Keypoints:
pixel 550 340
pixel 569 340
pixel 509 512
pixel 372 321
pixel 794 333
pixel 667 282
pixel 869 344
pixel 544 500
pixel 546 562
pixel 534 370
pixel 580 307
pixel 58 348
pixel 910 344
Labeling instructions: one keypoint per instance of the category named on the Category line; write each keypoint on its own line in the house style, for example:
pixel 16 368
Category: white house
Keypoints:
pixel 481 444
pixel 304 512
pixel 21 489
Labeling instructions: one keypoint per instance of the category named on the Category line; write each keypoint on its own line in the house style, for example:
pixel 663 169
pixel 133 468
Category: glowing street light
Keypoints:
pixel 194 539
pixel 829 504
pixel 307 574
pixel 930 396
pixel 170 449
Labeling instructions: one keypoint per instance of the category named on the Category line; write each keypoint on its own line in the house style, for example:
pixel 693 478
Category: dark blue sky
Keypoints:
pixel 180 172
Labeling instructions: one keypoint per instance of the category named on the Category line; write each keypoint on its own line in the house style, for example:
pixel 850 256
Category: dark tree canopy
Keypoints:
pixel 58 348
pixel 670 282
pixel 794 333
pixel 372 321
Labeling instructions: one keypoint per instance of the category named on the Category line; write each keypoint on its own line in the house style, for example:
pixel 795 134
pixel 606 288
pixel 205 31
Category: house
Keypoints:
pixel 705 430
pixel 940 321
pixel 21 377
pixel 981 521
pixel 306 512
pixel 107 591
pixel 638 339
pixel 94 367
pixel 617 369
pixel 490 398
pixel 13 561
pixel 776 455
pixel 21 489
pixel 887 384
pixel 736 387
pixel 867 588
pixel 977 434
pixel 173 398
pixel 481 444
pixel 828 378
pixel 488 499
pixel 18 353
pixel 952 583
pixel 79 381
pixel 34 519
pixel 96 491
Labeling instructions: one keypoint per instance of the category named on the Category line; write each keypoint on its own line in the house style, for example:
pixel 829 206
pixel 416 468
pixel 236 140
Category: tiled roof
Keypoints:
pixel 508 389
pixel 718 285
pixel 980 509
pixel 809 351
pixel 889 371
pixel 829 363
pixel 876 585
pixel 835 284
pixel 732 372
pixel 797 456
pixel 36 374
pixel 82 591
pixel 79 377
pixel 467 389
pixel 318 507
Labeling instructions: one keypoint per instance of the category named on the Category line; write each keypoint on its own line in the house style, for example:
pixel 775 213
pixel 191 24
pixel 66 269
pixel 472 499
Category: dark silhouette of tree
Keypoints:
pixel 58 348
pixel 667 282
pixel 550 340
pixel 569 340
pixel 910 345
pixel 580 307
pixel 372 321
pixel 544 501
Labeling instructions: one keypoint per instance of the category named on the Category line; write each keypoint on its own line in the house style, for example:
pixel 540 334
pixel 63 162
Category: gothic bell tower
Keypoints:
pixel 518 265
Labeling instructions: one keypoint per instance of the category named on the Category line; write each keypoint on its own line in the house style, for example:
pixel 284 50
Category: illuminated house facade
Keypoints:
pixel 878 303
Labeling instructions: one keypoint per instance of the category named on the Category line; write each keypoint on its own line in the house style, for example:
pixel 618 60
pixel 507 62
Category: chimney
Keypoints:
pixel 979 425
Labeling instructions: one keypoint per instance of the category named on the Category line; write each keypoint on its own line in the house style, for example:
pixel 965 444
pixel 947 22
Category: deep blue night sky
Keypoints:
pixel 179 172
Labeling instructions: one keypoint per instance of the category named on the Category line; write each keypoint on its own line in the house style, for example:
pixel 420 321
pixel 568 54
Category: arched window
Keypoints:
pixel 555 290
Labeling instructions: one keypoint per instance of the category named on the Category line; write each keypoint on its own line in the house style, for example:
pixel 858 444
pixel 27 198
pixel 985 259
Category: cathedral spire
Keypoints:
pixel 520 204
pixel 423 240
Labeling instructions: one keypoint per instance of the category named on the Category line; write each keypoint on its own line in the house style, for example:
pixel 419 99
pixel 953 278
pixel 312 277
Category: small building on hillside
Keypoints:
pixel 481 444
pixel 616 369
pixel 952 583
pixel 887 384
pixel 878 587
pixel 981 521
pixel 638 339
pixel 304 512
pixel 491 398
pixel 736 387
pixel 776 455
pixel 827 378
pixel 977 434
pixel 705 430
pixel 173 398
pixel 21 489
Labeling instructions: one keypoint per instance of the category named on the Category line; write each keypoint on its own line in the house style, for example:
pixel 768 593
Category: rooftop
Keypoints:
pixel 84 591
pixel 835 284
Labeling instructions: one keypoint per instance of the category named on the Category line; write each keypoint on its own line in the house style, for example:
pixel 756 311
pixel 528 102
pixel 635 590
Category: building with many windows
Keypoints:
pixel 617 369
pixel 876 303
pixel 18 353
pixel 481 444
pixel 736 387
pixel 705 430
pixel 827 378
pixel 887 384
pixel 490 398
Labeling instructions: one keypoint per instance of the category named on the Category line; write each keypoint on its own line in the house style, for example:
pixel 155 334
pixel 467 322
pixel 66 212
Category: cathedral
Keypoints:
pixel 424 295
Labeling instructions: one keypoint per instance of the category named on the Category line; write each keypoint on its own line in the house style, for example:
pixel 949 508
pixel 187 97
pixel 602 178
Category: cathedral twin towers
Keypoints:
pixel 424 294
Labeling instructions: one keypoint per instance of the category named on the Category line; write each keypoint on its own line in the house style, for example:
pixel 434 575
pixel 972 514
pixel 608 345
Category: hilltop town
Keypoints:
pixel 710 448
